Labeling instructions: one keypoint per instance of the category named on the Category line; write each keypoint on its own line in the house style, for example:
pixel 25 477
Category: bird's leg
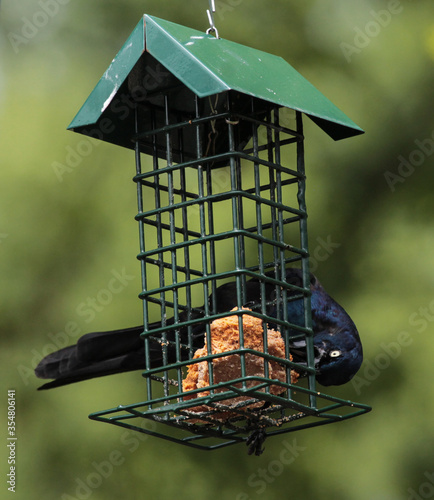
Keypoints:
pixel 255 442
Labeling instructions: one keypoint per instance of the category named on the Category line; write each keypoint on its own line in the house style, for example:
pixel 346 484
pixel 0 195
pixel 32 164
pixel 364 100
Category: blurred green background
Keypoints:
pixel 63 238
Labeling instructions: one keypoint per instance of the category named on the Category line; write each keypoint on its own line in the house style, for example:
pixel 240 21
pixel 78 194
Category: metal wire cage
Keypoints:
pixel 222 216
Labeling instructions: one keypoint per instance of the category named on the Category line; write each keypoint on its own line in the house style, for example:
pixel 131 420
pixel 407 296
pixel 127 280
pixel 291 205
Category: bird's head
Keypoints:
pixel 337 357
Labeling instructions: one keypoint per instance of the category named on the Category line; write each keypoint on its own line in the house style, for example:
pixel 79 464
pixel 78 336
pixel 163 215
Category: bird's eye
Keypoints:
pixel 335 354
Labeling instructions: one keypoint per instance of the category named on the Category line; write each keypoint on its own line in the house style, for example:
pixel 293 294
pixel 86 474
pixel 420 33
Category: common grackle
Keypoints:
pixel 337 346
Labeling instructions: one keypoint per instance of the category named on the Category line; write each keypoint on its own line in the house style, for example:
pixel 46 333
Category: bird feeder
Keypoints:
pixel 216 128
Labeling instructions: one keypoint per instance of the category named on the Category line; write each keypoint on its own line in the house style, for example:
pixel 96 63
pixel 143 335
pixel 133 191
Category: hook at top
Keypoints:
pixel 210 12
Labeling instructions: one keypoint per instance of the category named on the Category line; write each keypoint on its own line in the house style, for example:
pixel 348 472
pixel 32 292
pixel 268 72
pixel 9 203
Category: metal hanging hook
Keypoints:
pixel 210 12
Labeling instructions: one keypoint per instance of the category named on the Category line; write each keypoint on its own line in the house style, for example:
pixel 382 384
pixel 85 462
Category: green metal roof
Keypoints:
pixel 207 66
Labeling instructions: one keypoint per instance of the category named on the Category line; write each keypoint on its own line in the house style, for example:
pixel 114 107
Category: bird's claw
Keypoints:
pixel 255 442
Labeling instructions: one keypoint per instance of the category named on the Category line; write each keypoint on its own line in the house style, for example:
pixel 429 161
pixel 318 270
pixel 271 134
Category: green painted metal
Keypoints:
pixel 260 189
pixel 207 66
pixel 216 113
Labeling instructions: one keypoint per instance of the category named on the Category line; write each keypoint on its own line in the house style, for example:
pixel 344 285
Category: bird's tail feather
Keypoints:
pixel 104 353
pixel 95 355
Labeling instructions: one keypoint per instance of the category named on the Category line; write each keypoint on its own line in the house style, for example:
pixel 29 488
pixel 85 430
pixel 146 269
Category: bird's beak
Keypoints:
pixel 299 353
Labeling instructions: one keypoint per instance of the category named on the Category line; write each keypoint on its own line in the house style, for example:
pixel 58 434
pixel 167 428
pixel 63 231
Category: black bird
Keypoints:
pixel 337 346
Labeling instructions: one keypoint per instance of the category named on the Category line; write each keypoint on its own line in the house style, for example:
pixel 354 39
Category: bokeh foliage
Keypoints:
pixel 63 238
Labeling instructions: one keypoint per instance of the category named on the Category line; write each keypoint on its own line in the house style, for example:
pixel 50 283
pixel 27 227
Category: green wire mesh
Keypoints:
pixel 223 202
